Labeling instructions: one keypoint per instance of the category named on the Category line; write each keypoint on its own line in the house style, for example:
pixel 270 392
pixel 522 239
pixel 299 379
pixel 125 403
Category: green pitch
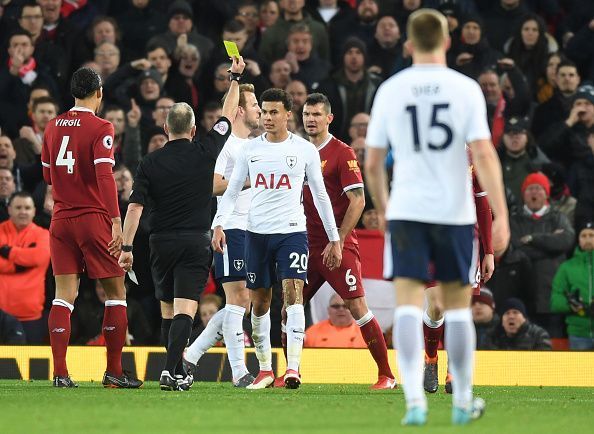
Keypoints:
pixel 213 408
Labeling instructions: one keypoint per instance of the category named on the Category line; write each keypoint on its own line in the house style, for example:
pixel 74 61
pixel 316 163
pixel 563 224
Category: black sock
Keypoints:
pixel 179 333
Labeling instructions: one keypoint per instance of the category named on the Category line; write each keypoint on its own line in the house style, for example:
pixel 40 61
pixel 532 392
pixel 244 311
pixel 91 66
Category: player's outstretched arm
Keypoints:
pixel 375 178
pixel 232 99
pixel 130 227
pixel 488 170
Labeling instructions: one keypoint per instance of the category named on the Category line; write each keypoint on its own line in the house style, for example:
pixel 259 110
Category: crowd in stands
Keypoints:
pixel 534 60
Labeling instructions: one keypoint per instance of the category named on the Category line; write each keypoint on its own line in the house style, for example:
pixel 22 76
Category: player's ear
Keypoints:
pixel 193 131
pixel 166 129
pixel 330 117
pixel 448 43
pixel 100 93
pixel 408 47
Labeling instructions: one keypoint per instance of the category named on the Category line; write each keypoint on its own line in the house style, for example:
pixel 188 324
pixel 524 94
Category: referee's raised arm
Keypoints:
pixel 232 99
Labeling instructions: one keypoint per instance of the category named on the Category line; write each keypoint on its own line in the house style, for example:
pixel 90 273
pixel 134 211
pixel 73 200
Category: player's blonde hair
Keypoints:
pixel 427 29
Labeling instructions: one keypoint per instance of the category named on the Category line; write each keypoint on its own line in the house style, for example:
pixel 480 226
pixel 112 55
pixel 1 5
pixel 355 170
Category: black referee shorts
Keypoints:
pixel 180 264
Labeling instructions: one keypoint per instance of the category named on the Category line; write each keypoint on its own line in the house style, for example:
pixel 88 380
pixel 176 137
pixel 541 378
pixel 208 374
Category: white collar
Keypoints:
pixel 325 142
pixel 81 109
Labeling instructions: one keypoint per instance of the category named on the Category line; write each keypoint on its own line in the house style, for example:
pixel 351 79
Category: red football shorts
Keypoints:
pixel 345 280
pixel 79 244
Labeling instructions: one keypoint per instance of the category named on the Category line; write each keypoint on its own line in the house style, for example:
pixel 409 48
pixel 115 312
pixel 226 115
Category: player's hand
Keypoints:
pixel 134 114
pixel 218 239
pixel 126 260
pixel 238 65
pixel 115 245
pixel 487 267
pixel 332 255
pixel 500 234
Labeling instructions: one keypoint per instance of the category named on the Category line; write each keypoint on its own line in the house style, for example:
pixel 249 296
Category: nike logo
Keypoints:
pixel 298 331
pixel 253 160
pixel 239 334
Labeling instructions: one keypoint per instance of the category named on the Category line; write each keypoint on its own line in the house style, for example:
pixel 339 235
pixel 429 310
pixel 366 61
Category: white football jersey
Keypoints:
pixel 224 166
pixel 277 172
pixel 427 114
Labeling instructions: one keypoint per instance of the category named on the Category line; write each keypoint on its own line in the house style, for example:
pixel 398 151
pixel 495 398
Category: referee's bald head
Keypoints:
pixel 180 119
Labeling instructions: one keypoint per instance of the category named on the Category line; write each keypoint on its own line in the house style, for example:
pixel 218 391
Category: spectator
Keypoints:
pixel 338 331
pixel 513 276
pixel 162 107
pixel 557 108
pixel 515 332
pixel 28 145
pixel 180 23
pixel 545 236
pixel 58 30
pixel 351 89
pixel 484 317
pixel 581 49
pixel 581 180
pixel 519 155
pixel 471 53
pixel 11 330
pixel 17 77
pixel 102 29
pixel 156 139
pixel 126 141
pixel 269 13
pixel 333 12
pixel 361 25
pixel 211 112
pixel 306 65
pixel 561 198
pixel 546 85
pixel 503 18
pixel 529 48
pixel 358 126
pixel 107 56
pixel 385 48
pixel 404 11
pixel 139 22
pixel 218 84
pixel 273 43
pixel 452 12
pixel 160 59
pixel 248 14
pixel 183 81
pixel 7 186
pixel 24 258
pixel 26 177
pixel 573 291
pixel 567 141
pixel 298 92
pixel 500 105
pixel 370 220
pixel 280 74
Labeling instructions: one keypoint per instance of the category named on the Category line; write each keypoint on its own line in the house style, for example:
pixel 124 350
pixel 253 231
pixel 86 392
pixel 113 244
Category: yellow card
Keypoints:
pixel 231 48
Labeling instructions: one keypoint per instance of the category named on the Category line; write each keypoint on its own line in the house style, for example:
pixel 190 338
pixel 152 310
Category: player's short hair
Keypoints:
pixel 244 87
pixel 278 95
pixel 180 118
pixel 44 100
pixel 84 83
pixel 319 98
pixel 21 194
pixel 428 29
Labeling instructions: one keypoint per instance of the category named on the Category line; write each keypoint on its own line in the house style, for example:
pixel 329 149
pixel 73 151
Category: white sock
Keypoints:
pixel 460 343
pixel 409 343
pixel 261 338
pixel 212 334
pixel 430 322
pixel 233 333
pixel 295 333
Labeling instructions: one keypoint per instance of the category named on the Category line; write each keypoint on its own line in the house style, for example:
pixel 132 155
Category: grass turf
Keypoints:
pixel 36 407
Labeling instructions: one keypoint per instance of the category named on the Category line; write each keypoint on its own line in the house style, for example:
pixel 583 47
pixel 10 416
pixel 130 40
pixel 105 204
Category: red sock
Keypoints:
pixel 372 333
pixel 115 325
pixel 432 338
pixel 59 331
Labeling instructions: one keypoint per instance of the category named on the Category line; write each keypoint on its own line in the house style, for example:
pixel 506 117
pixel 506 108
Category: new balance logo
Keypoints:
pixel 353 288
pixel 109 328
pixel 58 330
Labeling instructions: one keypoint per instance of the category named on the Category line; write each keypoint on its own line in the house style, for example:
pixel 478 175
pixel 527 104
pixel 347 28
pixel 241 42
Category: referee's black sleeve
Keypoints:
pixel 217 136
pixel 141 186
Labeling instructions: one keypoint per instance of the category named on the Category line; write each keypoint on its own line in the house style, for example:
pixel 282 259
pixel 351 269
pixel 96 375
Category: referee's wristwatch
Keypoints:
pixel 234 76
pixel 126 248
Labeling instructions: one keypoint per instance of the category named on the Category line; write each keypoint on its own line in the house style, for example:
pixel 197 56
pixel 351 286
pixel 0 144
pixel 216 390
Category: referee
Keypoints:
pixel 177 180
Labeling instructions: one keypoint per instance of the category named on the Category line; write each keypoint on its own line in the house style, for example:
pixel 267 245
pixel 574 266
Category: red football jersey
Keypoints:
pixel 74 143
pixel 341 173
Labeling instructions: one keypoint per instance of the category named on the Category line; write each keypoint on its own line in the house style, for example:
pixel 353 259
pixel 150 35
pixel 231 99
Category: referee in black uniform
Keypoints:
pixel 178 181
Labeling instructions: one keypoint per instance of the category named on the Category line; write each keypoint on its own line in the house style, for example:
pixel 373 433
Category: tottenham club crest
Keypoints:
pixel 251 277
pixel 238 264
pixel 291 161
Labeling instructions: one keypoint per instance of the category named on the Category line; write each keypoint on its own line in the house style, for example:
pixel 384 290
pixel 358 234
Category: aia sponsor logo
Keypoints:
pixel 271 182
